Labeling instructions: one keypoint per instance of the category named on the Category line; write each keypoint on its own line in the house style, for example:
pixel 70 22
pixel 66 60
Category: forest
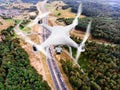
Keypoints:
pixel 16 73
pixel 102 28
pixel 101 64
pixel 93 8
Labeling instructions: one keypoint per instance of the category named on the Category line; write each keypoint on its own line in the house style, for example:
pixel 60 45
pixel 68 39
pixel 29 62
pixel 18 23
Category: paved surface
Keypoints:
pixel 55 73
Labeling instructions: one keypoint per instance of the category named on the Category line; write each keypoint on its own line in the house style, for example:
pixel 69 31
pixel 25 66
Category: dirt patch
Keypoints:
pixel 5 23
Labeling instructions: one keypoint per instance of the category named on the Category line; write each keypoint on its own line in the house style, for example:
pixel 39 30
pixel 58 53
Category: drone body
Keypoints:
pixel 59 36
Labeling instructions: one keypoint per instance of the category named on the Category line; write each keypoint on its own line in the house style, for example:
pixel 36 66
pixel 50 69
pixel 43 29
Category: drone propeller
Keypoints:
pixel 75 21
pixel 79 10
pixel 81 48
pixel 70 50
pixel 28 40
pixel 39 17
pixel 87 34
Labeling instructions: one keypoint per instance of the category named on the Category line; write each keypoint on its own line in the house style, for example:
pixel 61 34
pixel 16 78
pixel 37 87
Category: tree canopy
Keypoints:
pixel 101 64
pixel 102 28
pixel 16 73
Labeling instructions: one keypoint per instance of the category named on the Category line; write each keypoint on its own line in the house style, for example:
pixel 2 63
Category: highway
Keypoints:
pixel 54 70
pixel 55 73
pixel 54 65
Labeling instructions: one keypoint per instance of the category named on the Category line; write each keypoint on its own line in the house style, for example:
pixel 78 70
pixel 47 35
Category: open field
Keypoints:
pixel 65 13
pixel 59 12
pixel 6 23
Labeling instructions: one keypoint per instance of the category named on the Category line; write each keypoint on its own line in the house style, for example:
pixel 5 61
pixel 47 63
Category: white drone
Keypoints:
pixel 60 36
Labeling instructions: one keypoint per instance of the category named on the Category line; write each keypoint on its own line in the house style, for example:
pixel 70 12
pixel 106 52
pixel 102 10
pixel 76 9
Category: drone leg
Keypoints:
pixel 70 50
pixel 80 68
pixel 74 44
pixel 80 49
pixel 78 54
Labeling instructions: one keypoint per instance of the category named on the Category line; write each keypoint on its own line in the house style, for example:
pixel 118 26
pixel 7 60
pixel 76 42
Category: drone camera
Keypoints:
pixel 58 53
pixel 58 49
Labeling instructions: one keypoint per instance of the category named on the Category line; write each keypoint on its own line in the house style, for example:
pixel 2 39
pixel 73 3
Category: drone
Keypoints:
pixel 60 36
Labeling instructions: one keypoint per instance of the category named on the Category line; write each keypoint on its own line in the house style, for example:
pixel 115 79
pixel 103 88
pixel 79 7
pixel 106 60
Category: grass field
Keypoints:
pixel 65 13
pixel 9 20
pixel 18 21
pixel 1 23
pixel 6 23
pixel 60 13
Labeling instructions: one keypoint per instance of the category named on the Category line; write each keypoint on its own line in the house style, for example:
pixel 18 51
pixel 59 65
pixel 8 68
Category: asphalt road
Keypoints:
pixel 54 70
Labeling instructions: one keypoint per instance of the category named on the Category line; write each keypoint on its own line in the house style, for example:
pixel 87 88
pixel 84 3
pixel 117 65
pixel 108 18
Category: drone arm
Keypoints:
pixel 47 27
pixel 75 22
